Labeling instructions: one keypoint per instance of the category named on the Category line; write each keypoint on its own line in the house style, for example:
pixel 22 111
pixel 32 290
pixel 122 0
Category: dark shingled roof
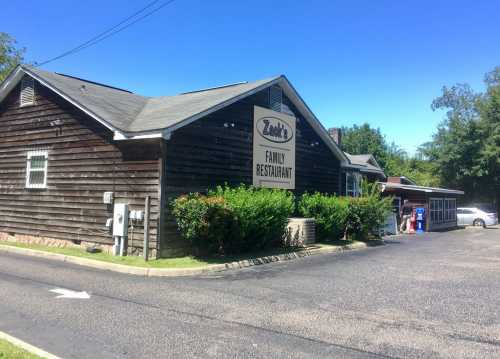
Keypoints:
pixel 135 116
pixel 363 162
pixel 134 113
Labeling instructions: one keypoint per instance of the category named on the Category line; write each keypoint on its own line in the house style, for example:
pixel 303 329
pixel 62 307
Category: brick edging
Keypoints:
pixel 178 272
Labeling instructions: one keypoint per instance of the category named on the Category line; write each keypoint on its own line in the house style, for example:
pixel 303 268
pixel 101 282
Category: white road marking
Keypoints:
pixel 67 293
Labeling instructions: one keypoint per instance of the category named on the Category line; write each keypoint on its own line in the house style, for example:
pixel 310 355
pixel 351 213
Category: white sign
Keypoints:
pixel 273 149
pixel 67 293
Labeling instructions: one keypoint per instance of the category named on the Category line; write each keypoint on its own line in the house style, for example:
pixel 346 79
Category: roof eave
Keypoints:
pixel 388 185
pixel 364 169
pixel 11 81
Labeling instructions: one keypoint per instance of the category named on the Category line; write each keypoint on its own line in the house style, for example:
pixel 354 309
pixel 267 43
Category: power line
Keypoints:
pixel 111 31
pixel 79 47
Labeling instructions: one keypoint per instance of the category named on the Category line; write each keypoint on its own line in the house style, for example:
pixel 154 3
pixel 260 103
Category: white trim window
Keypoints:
pixel 352 184
pixel 36 169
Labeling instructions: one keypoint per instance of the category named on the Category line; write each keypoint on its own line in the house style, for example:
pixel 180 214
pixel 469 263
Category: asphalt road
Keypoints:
pixel 437 296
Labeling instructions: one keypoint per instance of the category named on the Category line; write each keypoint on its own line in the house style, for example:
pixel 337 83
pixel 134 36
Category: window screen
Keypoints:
pixel 275 98
pixel 27 92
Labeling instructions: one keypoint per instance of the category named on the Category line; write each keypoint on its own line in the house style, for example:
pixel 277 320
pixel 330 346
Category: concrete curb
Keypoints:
pixel 28 347
pixel 179 272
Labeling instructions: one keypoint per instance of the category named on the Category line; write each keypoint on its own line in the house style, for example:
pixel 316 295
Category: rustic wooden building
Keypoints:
pixel 440 203
pixel 64 141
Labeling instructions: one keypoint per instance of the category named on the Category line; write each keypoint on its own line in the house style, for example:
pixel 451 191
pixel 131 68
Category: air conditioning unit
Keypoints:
pixel 300 232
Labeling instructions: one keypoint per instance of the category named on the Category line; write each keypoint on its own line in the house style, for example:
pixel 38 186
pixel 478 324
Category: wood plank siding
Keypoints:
pixel 83 163
pixel 211 152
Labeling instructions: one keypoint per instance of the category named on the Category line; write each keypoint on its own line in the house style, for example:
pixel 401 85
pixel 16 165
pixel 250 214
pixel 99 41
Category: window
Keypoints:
pixel 450 209
pixel 443 210
pixel 436 210
pixel 275 98
pixel 446 212
pixel 27 96
pixel 353 181
pixel 396 205
pixel 36 169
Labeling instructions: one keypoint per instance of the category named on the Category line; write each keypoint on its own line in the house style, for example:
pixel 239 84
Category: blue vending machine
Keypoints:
pixel 420 214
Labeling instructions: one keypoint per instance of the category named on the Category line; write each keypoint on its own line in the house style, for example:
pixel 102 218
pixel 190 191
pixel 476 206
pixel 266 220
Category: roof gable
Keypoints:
pixel 170 112
pixel 365 162
pixel 134 116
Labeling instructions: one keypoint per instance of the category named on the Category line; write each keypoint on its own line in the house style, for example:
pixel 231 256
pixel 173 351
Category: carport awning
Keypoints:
pixel 389 185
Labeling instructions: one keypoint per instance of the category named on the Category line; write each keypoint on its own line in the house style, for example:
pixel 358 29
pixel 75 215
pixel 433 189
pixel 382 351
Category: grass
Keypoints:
pixel 177 262
pixel 10 351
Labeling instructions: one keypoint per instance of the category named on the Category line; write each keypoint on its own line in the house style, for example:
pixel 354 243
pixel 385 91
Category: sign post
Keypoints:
pixel 273 149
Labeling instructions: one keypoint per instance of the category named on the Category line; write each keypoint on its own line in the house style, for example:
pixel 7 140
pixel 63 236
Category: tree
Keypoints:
pixel 10 54
pixel 364 139
pixel 489 129
pixel 466 146
pixel 393 159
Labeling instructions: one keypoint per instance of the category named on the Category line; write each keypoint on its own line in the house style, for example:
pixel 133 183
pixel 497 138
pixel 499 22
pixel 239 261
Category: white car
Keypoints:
pixel 473 216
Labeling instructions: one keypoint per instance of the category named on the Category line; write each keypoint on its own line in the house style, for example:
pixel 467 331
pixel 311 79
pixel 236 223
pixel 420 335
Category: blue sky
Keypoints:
pixel 380 62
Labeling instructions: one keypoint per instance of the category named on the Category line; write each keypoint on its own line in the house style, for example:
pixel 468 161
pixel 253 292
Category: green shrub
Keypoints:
pixel 261 214
pixel 329 212
pixel 368 212
pixel 207 223
pixel 242 219
pixel 356 215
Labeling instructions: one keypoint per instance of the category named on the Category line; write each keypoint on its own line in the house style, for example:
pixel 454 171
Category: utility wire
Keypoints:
pixel 81 46
pixel 111 31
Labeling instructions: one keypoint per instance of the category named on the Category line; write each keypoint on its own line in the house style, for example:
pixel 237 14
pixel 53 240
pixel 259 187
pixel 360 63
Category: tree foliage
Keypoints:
pixel 393 159
pixel 466 145
pixel 364 139
pixel 10 54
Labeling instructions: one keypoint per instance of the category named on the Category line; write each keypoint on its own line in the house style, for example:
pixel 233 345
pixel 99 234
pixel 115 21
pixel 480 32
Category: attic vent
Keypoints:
pixel 275 98
pixel 27 92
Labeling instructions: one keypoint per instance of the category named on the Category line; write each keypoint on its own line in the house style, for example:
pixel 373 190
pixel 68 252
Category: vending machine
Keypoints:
pixel 420 219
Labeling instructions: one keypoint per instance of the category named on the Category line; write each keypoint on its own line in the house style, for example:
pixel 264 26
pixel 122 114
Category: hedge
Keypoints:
pixel 350 217
pixel 207 223
pixel 262 214
pixel 232 220
pixel 329 212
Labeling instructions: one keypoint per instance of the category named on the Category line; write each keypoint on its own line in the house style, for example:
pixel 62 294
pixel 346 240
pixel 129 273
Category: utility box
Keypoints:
pixel 300 232
pixel 120 220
